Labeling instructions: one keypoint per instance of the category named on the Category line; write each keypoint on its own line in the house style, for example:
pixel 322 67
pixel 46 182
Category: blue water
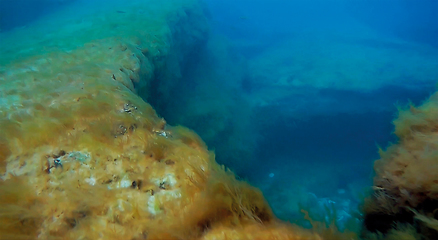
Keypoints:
pixel 318 139
pixel 19 13
pixel 297 96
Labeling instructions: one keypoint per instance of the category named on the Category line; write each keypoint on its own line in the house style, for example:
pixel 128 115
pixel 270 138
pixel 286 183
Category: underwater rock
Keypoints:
pixel 405 191
pixel 82 156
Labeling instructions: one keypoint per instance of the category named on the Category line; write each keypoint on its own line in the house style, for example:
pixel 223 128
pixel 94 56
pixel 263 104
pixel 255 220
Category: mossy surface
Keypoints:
pixel 82 156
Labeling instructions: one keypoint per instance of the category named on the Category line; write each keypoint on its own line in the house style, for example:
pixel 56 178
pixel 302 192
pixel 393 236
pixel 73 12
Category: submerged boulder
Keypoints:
pixel 82 156
pixel 406 182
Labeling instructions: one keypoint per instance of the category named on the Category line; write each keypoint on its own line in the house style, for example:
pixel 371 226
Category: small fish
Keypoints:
pixel 118 11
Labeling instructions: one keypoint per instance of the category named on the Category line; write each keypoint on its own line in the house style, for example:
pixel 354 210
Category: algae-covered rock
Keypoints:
pixel 405 191
pixel 84 157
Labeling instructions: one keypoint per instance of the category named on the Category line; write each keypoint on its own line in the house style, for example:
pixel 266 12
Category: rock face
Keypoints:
pixel 82 156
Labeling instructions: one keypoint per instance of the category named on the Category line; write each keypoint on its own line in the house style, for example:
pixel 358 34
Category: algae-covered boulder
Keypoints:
pixel 82 156
pixel 406 182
